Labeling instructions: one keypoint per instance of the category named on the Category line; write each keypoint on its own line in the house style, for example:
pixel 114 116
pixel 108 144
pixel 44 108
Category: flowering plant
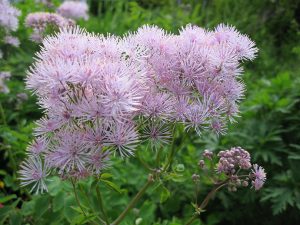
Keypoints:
pixel 104 95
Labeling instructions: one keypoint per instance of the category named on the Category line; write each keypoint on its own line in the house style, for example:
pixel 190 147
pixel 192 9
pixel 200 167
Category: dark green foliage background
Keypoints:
pixel 269 126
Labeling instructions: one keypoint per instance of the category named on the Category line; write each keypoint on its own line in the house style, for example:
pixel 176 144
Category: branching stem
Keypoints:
pixel 205 202
pixel 134 200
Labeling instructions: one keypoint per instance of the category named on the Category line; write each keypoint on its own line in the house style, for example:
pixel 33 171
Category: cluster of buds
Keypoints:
pixel 40 21
pixel 103 95
pixel 234 158
pixel 233 163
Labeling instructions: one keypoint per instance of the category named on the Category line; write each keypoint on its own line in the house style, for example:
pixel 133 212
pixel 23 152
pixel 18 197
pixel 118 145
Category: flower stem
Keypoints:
pixel 3 114
pixel 101 204
pixel 134 200
pixel 77 199
pixel 170 157
pixel 192 219
pixel 205 202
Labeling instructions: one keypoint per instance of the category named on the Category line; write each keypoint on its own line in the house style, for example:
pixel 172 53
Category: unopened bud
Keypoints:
pixel 201 164
pixel 207 154
pixel 245 183
pixel 195 177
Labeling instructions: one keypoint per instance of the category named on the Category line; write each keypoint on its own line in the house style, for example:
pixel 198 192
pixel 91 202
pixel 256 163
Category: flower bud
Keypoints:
pixel 195 177
pixel 207 154
pixel 201 164
pixel 245 183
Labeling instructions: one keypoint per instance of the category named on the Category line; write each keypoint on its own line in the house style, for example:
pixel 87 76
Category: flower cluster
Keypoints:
pixel 39 21
pixel 193 77
pixel 9 16
pixel 11 40
pixel 74 10
pixel 9 21
pixel 100 92
pixel 232 159
pixel 3 77
pixel 232 163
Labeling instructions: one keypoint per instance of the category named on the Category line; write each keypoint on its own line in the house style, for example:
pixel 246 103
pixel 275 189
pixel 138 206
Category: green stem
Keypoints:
pixel 157 161
pixel 170 157
pixel 3 114
pixel 134 200
pixel 205 202
pixel 77 199
pixel 88 201
pixel 192 219
pixel 101 204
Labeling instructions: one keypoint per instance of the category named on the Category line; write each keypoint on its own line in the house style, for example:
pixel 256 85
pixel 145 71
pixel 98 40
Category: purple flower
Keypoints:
pixel 39 21
pixel 74 10
pixel 97 91
pixel 4 76
pixel 34 171
pixel 9 16
pixel 123 138
pixel 8 39
pixel 235 158
pixel 259 176
pixel 37 146
pixel 157 133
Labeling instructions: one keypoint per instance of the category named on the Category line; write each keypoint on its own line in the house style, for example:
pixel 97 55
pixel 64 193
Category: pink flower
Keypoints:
pixel 123 138
pixel 69 154
pixel 158 134
pixel 4 76
pixel 74 10
pixel 9 16
pixel 8 39
pixel 34 171
pixel 37 146
pixel 259 177
pixel 98 92
pixel 235 158
pixel 39 21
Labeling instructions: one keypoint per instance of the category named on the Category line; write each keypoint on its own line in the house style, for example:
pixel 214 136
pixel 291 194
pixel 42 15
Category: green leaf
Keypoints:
pixel 4 212
pixel 59 201
pixel 179 168
pixel 28 208
pixel 7 198
pixel 55 186
pixel 112 185
pixel 164 194
pixel 15 218
pixel 69 213
pixel 175 177
pixel 280 198
pixel 42 205
pixel 106 176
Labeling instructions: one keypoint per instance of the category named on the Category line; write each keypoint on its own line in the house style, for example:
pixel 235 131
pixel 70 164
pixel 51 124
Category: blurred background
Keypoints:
pixel 269 126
